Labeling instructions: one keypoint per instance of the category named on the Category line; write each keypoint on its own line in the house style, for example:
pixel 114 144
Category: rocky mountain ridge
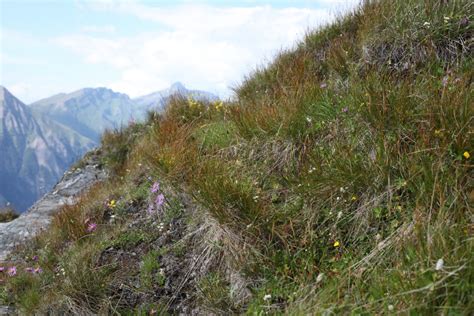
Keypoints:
pixel 157 100
pixel 35 151
pixel 43 139
pixel 38 217
pixel 90 111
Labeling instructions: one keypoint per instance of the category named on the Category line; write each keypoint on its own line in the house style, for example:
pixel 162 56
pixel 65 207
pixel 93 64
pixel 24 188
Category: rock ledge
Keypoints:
pixel 39 216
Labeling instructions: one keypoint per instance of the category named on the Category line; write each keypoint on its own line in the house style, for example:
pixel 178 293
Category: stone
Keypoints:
pixel 39 216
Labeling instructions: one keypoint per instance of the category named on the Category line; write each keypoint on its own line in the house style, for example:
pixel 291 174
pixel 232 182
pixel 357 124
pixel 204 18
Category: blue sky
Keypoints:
pixel 137 47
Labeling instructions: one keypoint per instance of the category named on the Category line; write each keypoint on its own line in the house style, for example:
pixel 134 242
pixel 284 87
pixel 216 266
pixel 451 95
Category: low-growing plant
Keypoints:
pixel 214 292
pixel 7 214
pixel 151 275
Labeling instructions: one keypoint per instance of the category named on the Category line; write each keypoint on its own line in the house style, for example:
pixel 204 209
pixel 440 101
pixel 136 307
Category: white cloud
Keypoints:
pixel 19 60
pixel 203 46
pixel 98 29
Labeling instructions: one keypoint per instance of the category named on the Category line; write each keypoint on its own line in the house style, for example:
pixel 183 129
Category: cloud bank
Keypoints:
pixel 204 46
pixel 137 47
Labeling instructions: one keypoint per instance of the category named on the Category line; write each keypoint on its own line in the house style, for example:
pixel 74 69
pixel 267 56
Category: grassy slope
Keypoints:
pixel 339 177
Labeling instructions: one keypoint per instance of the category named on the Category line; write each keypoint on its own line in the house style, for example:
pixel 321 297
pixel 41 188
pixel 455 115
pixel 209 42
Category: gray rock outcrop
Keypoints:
pixel 39 216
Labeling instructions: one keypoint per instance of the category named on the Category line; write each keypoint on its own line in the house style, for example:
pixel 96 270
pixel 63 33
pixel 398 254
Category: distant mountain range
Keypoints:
pixel 157 100
pixel 90 111
pixel 34 152
pixel 40 141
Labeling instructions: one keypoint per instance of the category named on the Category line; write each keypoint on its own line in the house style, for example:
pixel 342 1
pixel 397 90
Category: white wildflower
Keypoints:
pixel 391 308
pixel 267 297
pixel 161 227
pixel 320 278
pixel 439 264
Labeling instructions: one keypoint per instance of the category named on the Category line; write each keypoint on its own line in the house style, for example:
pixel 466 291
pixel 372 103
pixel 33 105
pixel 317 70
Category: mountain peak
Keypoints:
pixel 8 102
pixel 96 89
pixel 100 92
pixel 4 93
pixel 177 87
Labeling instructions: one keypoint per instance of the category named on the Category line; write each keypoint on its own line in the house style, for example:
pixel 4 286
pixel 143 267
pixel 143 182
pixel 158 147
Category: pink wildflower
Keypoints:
pixel 2 269
pixel 91 227
pixel 155 187
pixel 11 271
pixel 160 199
pixel 150 209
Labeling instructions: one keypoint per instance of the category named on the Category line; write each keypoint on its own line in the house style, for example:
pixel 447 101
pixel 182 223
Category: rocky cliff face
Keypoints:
pixel 34 152
pixel 38 217
pixel 88 111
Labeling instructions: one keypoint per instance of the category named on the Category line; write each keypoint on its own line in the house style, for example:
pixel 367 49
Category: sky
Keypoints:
pixel 138 47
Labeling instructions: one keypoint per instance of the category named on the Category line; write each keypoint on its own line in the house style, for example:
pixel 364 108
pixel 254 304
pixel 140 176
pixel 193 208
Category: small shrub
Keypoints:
pixel 7 214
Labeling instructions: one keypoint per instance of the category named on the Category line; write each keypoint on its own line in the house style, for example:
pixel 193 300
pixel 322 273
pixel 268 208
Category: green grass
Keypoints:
pixel 129 239
pixel 334 181
pixel 150 273
pixel 214 292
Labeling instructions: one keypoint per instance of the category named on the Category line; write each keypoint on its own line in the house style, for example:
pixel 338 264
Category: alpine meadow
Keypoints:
pixel 338 180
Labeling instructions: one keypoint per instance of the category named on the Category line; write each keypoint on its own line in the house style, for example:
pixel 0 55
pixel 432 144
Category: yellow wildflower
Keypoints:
pixel 336 244
pixel 354 198
pixel 192 102
pixel 219 105
pixel 466 155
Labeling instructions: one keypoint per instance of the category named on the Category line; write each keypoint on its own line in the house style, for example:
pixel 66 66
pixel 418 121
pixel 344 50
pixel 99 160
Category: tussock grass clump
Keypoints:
pixel 338 180
pixel 7 214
